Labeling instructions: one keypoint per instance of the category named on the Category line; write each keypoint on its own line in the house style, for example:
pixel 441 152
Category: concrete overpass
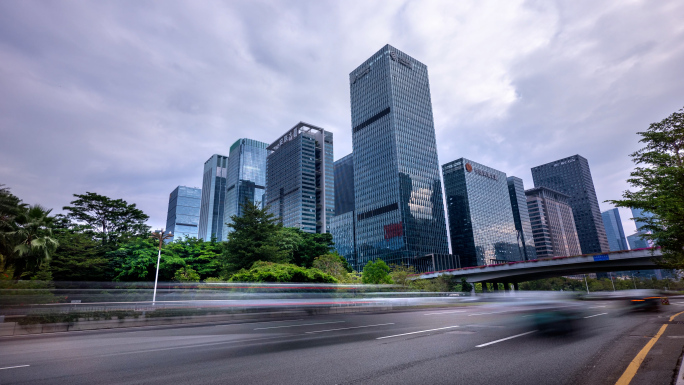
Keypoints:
pixel 515 272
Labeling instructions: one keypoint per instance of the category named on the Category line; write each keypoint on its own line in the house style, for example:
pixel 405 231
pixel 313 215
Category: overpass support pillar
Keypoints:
pixel 495 286
pixel 515 286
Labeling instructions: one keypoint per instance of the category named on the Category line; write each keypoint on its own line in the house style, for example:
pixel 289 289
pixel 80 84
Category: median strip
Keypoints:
pixel 633 367
pixel 505 339
pixel 353 327
pixel 420 331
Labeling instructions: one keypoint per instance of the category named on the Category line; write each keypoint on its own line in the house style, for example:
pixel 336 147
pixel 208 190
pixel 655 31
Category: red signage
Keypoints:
pixel 394 230
pixel 469 168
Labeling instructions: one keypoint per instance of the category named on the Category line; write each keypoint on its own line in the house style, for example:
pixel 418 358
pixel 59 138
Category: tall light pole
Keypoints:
pixel 161 237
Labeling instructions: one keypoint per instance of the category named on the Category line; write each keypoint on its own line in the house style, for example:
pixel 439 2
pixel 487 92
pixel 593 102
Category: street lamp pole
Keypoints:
pixel 161 237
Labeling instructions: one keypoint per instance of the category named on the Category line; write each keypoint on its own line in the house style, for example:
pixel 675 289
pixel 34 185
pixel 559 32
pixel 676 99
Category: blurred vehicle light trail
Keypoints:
pixel 421 331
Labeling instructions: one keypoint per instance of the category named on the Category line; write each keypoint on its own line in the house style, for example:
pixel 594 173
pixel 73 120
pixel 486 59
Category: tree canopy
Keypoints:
pixel 376 272
pixel 659 180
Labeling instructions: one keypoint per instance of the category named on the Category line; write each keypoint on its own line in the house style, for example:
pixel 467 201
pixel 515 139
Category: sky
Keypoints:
pixel 129 98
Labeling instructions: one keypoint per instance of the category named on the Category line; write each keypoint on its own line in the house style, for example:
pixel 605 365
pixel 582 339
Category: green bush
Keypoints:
pixel 281 272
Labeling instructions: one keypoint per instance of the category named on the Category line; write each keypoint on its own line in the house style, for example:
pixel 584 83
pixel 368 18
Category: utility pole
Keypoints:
pixel 161 237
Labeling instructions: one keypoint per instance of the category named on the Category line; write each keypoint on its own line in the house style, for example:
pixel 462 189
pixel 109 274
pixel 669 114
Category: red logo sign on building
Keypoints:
pixel 469 167
pixel 394 230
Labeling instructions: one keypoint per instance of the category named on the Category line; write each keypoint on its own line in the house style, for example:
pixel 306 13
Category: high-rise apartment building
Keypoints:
pixel 398 192
pixel 521 217
pixel 553 224
pixel 213 198
pixel 571 176
pixel 182 218
pixel 299 178
pixel 246 180
pixel 343 225
pixel 614 230
pixel 481 221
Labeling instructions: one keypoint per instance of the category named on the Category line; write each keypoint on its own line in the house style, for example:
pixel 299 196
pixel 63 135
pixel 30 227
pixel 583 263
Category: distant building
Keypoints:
pixel 521 217
pixel 246 180
pixel 213 198
pixel 614 230
pixel 182 218
pixel 397 187
pixel 553 224
pixel 572 176
pixel 480 215
pixel 300 187
pixel 343 225
pixel 637 241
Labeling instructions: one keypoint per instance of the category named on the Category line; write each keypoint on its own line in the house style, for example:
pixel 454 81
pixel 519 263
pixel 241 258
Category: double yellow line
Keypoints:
pixel 631 370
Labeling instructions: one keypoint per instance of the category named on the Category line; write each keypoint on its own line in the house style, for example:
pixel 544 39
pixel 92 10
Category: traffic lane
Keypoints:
pixel 176 361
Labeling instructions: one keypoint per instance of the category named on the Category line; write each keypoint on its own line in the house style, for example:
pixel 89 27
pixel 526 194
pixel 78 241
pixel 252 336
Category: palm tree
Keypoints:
pixel 10 208
pixel 32 239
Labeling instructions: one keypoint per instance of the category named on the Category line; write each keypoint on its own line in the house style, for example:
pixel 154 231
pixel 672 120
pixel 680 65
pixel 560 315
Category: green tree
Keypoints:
pixel 79 257
pixel 136 260
pixel 254 238
pixel 203 257
pixel 333 264
pixel 113 221
pixel 400 274
pixel 465 286
pixel 263 271
pixel 186 274
pixel 32 239
pixel 376 272
pixel 659 180
pixel 312 246
pixel 10 208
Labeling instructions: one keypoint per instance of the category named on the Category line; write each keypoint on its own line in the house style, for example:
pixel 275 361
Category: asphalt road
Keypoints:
pixel 468 345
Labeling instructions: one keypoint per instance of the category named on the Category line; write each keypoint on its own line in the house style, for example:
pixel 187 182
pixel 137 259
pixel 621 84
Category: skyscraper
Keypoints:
pixel 571 176
pixel 553 224
pixel 638 214
pixel 182 217
pixel 299 178
pixel 481 221
pixel 614 230
pixel 521 217
pixel 213 198
pixel 343 224
pixel 397 188
pixel 246 180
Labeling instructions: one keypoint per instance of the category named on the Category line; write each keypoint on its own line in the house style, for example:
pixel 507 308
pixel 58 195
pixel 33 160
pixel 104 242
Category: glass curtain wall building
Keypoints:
pixel 300 185
pixel 182 218
pixel 521 217
pixel 397 187
pixel 572 176
pixel 614 230
pixel 246 180
pixel 343 224
pixel 553 224
pixel 213 198
pixel 481 221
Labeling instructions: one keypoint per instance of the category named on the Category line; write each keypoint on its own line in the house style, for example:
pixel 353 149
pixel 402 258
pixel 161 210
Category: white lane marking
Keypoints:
pixel 13 367
pixel 354 327
pixel 595 307
pixel 262 322
pixel 505 339
pixel 496 312
pixel 420 331
pixel 294 326
pixel 446 312
pixel 595 315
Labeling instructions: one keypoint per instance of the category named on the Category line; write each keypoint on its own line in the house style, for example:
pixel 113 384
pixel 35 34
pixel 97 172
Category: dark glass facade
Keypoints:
pixel 342 228
pixel 572 176
pixel 521 217
pixel 344 184
pixel 213 198
pixel 481 221
pixel 300 184
pixel 397 188
pixel 246 180
pixel 553 224
pixel 182 218
pixel 614 230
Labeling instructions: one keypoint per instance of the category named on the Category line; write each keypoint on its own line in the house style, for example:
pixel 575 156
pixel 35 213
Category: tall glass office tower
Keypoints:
pixel 246 180
pixel 553 224
pixel 481 221
pixel 182 217
pixel 398 192
pixel 213 198
pixel 521 217
pixel 300 187
pixel 614 230
pixel 343 224
pixel 571 176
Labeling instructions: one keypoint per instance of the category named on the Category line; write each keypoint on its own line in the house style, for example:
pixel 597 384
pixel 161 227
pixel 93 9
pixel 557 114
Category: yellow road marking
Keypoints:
pixel 631 370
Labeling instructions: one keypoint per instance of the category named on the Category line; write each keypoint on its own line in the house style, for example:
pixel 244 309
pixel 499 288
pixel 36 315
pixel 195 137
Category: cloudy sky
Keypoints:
pixel 129 98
